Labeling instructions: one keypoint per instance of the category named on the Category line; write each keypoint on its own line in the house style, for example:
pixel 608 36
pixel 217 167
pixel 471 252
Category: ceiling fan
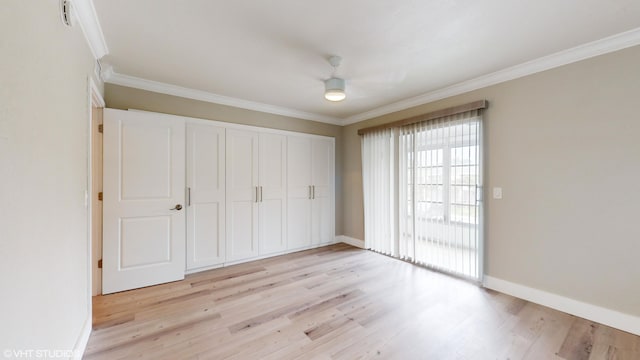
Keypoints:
pixel 335 86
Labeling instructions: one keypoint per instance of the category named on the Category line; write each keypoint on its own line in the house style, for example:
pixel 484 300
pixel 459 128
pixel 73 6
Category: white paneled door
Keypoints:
pixel 272 193
pixel 299 192
pixel 205 196
pixel 144 216
pixel 242 194
pixel 311 163
pixel 322 180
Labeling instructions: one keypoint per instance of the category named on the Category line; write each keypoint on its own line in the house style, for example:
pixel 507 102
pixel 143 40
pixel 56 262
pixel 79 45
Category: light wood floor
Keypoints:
pixel 339 302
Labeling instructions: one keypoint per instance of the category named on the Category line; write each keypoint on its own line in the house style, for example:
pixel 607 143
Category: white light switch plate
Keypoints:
pixel 497 193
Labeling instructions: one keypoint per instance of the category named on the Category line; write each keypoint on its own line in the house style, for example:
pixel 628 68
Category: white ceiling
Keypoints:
pixel 275 52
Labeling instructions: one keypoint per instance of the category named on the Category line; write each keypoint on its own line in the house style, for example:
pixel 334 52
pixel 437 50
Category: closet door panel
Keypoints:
pixel 298 192
pixel 242 194
pixel 205 195
pixel 272 191
pixel 323 180
pixel 205 245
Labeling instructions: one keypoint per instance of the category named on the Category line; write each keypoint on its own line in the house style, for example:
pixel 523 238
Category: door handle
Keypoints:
pixel 188 196
pixel 178 207
pixel 313 187
pixel 257 195
pixel 260 193
pixel 309 192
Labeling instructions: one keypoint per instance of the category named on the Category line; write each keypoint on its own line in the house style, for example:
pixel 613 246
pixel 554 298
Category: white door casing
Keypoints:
pixel 205 196
pixel 144 174
pixel 96 205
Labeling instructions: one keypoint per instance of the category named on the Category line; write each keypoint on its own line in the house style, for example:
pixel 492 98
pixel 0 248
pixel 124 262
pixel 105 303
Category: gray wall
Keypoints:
pixel 120 97
pixel 44 117
pixel 563 144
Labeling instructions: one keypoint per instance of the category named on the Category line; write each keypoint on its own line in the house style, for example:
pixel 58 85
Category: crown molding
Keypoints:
pixel 88 19
pixel 113 77
pixel 599 47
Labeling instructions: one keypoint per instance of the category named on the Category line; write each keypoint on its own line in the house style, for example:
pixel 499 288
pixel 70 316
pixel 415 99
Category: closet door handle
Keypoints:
pixel 314 191
pixel 257 196
pixel 309 192
pixel 260 193
pixel 188 196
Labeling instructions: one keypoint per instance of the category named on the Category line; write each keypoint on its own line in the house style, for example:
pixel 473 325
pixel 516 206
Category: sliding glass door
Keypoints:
pixel 440 174
pixel 437 221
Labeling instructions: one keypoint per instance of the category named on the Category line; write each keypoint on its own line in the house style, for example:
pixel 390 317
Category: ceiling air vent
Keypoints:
pixel 65 12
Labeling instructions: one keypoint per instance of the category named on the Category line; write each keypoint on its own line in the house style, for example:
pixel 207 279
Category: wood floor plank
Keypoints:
pixel 579 343
pixel 339 302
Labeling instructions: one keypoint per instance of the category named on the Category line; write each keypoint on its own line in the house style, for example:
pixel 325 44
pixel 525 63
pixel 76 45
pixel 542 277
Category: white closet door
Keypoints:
pixel 322 181
pixel 205 196
pixel 144 223
pixel 298 192
pixel 272 191
pixel 242 194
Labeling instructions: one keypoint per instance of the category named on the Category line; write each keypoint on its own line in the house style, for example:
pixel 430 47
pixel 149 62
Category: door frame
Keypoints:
pixel 95 100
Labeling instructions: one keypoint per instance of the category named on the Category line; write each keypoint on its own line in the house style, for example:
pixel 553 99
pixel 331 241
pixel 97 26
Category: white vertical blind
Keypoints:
pixel 439 180
pixel 378 185
pixel 440 214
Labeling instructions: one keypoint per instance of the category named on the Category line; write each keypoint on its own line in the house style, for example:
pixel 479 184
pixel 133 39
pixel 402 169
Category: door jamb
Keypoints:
pixel 95 100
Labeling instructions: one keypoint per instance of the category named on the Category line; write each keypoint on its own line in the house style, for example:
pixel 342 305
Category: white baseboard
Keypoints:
pixel 260 257
pixel 83 338
pixel 618 320
pixel 351 241
pixel 204 268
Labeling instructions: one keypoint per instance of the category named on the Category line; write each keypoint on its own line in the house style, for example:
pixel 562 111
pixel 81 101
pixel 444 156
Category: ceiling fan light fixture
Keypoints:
pixel 334 89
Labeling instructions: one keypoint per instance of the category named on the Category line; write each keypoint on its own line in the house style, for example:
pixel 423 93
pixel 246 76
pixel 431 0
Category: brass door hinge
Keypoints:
pixel 100 264
pixel 101 128
pixel 100 196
